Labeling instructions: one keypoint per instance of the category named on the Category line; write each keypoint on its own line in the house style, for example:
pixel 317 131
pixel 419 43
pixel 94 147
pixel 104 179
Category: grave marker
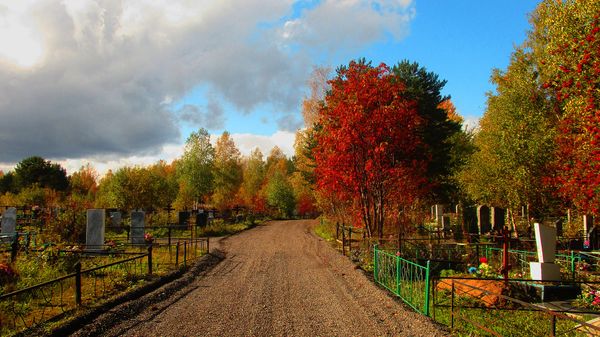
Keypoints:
pixel 483 219
pixel 94 231
pixel 137 227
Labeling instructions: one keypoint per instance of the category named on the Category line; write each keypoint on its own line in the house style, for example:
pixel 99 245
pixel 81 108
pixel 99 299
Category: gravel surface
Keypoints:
pixel 277 279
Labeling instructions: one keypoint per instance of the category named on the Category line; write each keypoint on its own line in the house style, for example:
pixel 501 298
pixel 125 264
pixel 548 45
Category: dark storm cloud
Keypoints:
pixel 110 71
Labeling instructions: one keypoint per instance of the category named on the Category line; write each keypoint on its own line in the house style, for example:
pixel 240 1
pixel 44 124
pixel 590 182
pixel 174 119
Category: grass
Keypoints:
pixel 325 230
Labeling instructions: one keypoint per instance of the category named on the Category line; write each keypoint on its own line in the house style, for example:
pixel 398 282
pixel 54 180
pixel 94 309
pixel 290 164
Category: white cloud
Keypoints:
pixel 93 79
pixel 247 142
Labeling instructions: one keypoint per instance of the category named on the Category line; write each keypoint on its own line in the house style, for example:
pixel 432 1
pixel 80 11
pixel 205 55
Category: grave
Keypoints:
pixel 545 269
pixel 8 225
pixel 184 219
pixel 498 218
pixel 201 218
pixel 439 214
pixel 588 224
pixel 469 216
pixel 137 228
pixel 116 221
pixel 94 231
pixel 9 221
pixel 483 219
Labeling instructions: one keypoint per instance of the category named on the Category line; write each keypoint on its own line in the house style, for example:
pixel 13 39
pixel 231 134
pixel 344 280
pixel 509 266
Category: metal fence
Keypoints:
pixel 481 307
pixel 27 307
pixel 407 279
pixel 95 278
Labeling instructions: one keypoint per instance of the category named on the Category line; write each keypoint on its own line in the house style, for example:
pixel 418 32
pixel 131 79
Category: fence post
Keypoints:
pixel 553 326
pixel 177 254
pixel 184 254
pixel 207 245
pixel 375 262
pixel 427 274
pixel 14 248
pixel 150 259
pixel 343 241
pixel 398 275
pixel 573 264
pixel 78 283
pixel 452 308
pixel 350 240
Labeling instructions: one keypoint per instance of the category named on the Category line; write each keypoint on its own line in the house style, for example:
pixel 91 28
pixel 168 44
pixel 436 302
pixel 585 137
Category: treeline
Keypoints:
pixel 204 176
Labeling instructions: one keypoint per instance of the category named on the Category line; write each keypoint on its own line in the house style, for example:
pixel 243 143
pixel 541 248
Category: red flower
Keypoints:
pixel 483 260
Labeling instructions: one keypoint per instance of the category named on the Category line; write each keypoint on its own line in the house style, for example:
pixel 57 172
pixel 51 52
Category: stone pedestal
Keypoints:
pixel 544 271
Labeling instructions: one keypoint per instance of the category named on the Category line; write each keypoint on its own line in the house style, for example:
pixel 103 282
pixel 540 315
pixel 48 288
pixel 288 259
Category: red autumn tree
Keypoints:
pixel 368 150
pixel 566 38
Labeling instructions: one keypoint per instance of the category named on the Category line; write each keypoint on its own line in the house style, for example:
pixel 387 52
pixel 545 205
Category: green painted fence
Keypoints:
pixel 407 279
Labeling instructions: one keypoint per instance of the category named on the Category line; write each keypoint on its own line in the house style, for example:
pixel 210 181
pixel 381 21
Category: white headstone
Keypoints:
pixel 588 224
pixel 137 227
pixel 545 269
pixel 439 213
pixel 94 232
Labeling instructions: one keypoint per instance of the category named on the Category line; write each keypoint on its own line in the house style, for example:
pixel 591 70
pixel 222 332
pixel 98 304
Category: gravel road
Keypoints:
pixel 277 279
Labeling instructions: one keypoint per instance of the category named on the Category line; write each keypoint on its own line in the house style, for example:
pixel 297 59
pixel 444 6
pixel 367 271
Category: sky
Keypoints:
pixel 115 83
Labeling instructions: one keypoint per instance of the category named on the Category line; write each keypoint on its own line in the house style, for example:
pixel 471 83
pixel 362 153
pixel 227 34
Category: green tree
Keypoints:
pixel 8 183
pixel 515 143
pixel 253 178
pixel 84 181
pixel 437 131
pixel 196 167
pixel 35 171
pixel 227 172
pixel 280 195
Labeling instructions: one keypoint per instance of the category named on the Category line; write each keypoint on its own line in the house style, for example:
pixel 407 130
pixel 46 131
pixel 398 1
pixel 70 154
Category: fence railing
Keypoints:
pixel 406 279
pixel 479 307
pixel 95 278
pixel 27 307
pixel 520 259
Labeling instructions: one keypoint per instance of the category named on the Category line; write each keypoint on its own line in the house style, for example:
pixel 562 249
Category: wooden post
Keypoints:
pixel 78 283
pixel 150 259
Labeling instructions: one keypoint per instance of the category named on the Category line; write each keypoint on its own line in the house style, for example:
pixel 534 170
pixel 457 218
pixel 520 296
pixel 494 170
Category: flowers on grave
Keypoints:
pixel 472 270
pixel 583 266
pixel 7 273
pixel 148 238
pixel 397 253
pixel 590 298
pixel 485 270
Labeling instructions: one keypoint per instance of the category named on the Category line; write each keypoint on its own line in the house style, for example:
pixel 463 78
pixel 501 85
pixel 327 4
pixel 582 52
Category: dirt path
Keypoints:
pixel 278 280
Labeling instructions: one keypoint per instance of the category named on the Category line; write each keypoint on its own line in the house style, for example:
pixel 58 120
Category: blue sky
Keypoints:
pixel 124 82
pixel 461 41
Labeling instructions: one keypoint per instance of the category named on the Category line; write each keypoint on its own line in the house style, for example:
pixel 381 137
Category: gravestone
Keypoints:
pixel 94 231
pixel 498 218
pixel 184 218
pixel 559 226
pixel 545 269
pixel 469 215
pixel 588 224
pixel 446 225
pixel 439 213
pixel 137 227
pixel 9 221
pixel 483 219
pixel 116 221
pixel 137 231
pixel 201 218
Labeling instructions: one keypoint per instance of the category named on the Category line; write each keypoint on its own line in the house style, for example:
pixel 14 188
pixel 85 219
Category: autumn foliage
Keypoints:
pixel 368 151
